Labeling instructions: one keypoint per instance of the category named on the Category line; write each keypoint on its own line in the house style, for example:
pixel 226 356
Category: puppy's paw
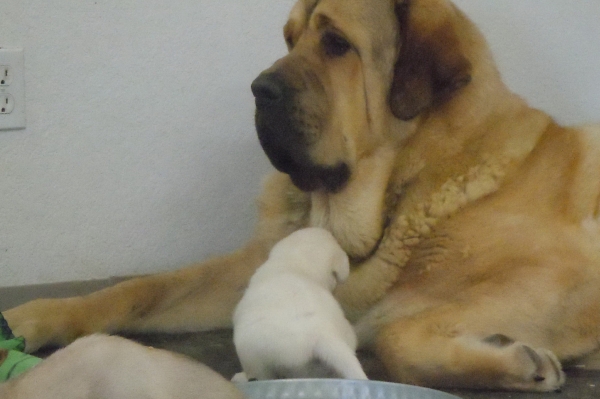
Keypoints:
pixel 239 377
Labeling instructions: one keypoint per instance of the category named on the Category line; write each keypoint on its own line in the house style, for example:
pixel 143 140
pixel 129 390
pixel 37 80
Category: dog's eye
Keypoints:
pixel 335 45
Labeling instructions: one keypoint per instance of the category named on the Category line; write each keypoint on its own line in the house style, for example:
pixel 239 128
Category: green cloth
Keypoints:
pixel 12 359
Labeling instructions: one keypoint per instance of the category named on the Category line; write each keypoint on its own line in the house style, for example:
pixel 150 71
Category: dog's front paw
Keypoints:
pixel 44 322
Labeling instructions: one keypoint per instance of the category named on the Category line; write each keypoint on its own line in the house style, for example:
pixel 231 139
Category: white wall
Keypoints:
pixel 139 153
pixel 547 50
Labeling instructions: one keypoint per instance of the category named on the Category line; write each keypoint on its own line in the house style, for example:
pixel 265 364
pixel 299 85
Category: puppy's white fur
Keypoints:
pixel 288 324
pixel 107 367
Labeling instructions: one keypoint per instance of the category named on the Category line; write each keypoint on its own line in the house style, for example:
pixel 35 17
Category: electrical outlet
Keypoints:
pixel 7 103
pixel 5 75
pixel 12 89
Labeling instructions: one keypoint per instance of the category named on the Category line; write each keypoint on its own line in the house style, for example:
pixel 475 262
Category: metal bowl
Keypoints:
pixel 336 389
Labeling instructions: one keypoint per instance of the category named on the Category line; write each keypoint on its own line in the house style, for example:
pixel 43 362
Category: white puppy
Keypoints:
pixel 288 324
pixel 106 367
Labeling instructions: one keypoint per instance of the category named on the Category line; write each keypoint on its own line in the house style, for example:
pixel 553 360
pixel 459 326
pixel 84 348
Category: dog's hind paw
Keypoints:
pixel 529 369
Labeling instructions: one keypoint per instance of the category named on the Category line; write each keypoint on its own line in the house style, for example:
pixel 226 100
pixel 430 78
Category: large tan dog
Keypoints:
pixel 471 219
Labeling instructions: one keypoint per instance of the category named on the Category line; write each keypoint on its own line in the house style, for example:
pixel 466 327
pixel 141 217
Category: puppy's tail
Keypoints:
pixel 340 358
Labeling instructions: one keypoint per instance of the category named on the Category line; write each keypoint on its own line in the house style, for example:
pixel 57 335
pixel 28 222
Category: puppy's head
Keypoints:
pixel 355 70
pixel 312 252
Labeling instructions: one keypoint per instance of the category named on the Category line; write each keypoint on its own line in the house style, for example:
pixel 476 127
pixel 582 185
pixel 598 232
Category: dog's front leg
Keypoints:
pixel 197 298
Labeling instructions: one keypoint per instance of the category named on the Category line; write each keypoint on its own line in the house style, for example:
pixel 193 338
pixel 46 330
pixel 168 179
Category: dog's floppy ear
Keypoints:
pixel 430 65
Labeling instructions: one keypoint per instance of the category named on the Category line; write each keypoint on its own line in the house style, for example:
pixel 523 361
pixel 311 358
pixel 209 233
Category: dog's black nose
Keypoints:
pixel 267 88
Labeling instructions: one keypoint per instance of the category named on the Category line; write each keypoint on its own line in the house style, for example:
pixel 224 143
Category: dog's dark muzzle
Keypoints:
pixel 269 90
pixel 284 142
pixel 279 137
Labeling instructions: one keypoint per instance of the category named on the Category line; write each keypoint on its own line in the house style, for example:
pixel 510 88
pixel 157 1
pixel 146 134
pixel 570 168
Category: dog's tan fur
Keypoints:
pixel 471 218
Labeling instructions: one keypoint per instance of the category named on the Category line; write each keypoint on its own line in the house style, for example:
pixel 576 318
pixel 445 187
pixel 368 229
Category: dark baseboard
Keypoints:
pixel 13 296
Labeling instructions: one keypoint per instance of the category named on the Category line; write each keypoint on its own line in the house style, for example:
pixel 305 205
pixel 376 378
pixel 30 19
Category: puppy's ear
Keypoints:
pixel 341 266
pixel 430 67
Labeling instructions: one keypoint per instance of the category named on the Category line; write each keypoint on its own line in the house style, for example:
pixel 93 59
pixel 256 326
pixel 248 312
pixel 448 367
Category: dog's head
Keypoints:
pixel 355 70
pixel 312 252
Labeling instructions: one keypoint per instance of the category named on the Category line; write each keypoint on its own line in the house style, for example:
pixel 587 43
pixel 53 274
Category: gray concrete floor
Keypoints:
pixel 216 349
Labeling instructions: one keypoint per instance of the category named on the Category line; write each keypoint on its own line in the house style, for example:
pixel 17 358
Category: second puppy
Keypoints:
pixel 108 367
pixel 288 324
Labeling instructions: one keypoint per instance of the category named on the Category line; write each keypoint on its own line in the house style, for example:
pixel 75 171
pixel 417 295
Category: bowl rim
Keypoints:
pixel 323 382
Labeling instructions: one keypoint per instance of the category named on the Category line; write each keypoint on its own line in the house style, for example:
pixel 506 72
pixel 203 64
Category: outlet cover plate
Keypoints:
pixel 12 67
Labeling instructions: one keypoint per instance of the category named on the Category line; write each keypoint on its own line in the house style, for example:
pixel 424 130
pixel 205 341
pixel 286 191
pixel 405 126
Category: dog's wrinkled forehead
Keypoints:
pixel 297 20
pixel 367 23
